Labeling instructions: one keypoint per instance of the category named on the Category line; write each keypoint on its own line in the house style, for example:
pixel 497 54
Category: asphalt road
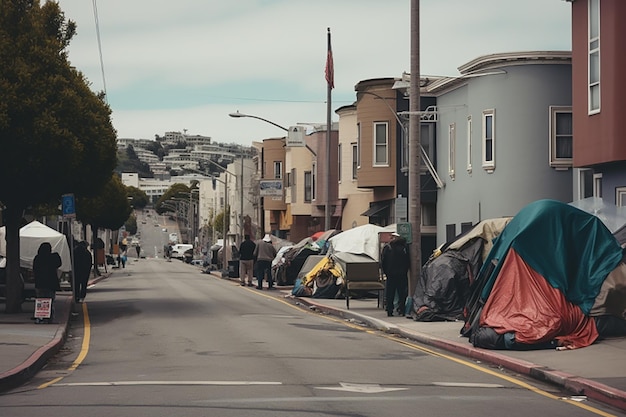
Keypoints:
pixel 162 339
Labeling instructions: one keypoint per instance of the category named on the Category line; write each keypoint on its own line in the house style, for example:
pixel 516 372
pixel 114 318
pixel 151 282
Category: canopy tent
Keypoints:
pixel 31 237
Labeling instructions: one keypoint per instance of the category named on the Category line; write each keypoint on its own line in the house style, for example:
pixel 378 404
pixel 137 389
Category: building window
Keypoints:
pixel 620 196
pixel 339 163
pixel 489 139
pixel 585 183
pixel 404 137
pixel 594 56
pixel 561 137
pixel 278 170
pixel 292 183
pixel 381 144
pixel 308 186
pixel 469 144
pixel 451 149
pixel 314 182
pixel 429 214
pixel 355 160
pixel 597 185
pixel 358 145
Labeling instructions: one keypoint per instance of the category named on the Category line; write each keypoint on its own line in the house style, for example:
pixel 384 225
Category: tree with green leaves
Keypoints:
pixel 138 198
pixel 56 134
pixel 176 191
pixel 110 209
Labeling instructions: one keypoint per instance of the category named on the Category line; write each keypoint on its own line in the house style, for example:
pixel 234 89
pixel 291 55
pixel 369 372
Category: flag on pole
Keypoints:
pixel 330 70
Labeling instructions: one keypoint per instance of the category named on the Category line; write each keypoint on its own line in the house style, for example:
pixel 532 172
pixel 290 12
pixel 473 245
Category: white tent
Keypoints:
pixel 31 236
pixel 361 240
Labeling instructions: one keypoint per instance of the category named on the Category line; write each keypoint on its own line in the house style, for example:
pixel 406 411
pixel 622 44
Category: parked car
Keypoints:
pixel 179 249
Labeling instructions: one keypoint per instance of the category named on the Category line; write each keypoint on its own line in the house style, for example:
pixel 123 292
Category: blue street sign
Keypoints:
pixel 68 206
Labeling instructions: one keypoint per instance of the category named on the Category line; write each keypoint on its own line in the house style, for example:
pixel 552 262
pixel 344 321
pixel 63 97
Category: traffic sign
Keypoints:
pixel 68 206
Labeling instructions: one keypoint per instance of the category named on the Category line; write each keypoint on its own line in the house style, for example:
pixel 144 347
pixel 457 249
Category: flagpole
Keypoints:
pixel 329 86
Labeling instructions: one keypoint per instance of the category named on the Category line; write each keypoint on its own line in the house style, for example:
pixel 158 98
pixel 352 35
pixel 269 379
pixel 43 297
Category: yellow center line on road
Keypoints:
pixel 412 345
pixel 83 351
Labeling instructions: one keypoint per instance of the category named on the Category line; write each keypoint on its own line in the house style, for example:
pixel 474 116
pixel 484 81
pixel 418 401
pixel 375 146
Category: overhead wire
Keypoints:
pixel 95 15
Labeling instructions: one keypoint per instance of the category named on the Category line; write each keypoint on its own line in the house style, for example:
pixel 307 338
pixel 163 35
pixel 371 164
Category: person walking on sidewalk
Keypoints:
pixel 264 253
pixel 246 260
pixel 395 264
pixel 45 266
pixel 83 262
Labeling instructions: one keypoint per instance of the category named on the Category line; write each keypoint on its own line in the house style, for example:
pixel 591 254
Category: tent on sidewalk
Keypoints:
pixel 541 280
pixel 443 288
pixel 31 236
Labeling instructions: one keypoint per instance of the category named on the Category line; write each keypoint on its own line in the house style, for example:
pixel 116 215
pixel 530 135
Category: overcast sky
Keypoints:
pixel 186 64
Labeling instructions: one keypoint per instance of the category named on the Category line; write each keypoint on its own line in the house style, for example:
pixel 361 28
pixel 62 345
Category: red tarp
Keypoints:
pixel 523 302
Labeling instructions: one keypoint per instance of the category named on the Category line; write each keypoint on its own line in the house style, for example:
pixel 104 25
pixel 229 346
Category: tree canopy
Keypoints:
pixel 56 134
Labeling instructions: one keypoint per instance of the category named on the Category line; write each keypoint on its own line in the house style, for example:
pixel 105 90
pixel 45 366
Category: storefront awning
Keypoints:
pixel 375 208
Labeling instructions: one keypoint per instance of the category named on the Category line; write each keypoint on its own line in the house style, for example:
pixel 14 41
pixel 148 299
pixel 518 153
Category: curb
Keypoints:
pixel 35 362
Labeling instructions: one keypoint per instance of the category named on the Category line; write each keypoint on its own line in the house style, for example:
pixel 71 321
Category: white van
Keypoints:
pixel 179 250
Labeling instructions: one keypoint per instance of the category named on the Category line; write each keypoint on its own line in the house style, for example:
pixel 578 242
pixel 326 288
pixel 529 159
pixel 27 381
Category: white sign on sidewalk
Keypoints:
pixel 43 308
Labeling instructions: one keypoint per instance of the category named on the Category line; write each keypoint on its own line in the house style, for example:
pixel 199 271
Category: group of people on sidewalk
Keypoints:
pixel 45 271
pixel 255 260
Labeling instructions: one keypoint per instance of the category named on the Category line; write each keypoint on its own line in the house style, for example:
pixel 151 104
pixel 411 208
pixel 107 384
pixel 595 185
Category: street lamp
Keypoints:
pixel 237 115
pixel 328 127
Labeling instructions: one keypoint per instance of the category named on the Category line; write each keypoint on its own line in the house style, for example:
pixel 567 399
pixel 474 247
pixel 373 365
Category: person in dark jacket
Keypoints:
pixel 83 262
pixel 246 260
pixel 45 266
pixel 395 263
pixel 264 254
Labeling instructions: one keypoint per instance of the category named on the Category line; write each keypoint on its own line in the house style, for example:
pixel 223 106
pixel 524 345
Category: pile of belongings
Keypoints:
pixel 443 288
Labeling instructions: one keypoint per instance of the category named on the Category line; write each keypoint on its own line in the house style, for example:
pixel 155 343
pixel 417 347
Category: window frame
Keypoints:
pixel 358 146
pixel 452 150
pixel 308 187
pixel 278 170
pixel 376 145
pixel 597 185
pixel 469 144
pixel 593 57
pixel 313 181
pixel 489 140
pixel 557 161
pixel 355 160
pixel 620 196
pixel 339 163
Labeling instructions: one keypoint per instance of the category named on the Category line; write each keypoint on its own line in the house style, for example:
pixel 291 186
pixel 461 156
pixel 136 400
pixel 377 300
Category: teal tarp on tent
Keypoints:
pixel 572 249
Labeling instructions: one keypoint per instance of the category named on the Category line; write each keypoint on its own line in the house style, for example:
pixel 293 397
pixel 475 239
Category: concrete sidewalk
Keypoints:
pixel 597 371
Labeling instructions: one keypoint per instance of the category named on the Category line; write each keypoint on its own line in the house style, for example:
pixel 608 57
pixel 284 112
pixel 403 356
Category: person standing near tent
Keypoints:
pixel 83 262
pixel 45 265
pixel 246 260
pixel 264 253
pixel 395 264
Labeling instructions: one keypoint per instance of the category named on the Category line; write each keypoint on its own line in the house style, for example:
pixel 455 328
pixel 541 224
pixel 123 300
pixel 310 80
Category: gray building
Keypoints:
pixel 496 134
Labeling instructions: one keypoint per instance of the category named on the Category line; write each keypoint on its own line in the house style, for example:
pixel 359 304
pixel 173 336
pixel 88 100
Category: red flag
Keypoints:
pixel 330 70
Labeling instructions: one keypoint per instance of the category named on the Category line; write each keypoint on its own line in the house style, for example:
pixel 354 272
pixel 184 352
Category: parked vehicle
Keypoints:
pixel 178 250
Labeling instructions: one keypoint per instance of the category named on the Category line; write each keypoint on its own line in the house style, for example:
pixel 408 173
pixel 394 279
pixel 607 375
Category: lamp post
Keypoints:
pixel 224 246
pixel 328 127
pixel 240 192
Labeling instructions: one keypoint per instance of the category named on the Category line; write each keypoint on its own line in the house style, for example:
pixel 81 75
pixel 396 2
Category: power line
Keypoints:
pixel 95 15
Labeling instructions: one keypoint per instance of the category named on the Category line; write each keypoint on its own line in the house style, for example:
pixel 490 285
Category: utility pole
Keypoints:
pixel 415 206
